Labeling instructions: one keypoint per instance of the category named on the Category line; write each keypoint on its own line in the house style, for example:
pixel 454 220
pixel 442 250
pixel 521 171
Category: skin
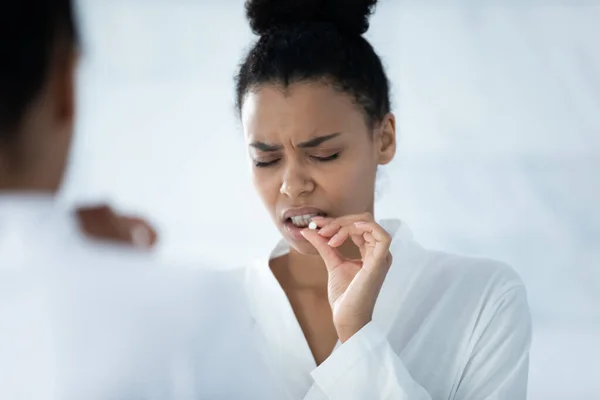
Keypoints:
pixel 103 223
pixel 36 161
pixel 331 276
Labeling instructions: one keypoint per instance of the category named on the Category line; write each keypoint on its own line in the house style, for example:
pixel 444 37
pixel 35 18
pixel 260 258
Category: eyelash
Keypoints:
pixel 260 164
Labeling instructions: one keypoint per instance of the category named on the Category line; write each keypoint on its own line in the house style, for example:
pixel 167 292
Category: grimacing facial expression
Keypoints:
pixel 312 152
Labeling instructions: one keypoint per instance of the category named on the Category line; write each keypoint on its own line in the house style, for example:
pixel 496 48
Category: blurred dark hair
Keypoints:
pixel 315 40
pixel 30 32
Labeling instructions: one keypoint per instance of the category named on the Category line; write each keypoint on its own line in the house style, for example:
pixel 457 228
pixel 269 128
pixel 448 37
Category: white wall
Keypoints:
pixel 499 119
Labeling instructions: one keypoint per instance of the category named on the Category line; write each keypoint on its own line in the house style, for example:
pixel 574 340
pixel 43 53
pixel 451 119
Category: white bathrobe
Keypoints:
pixel 444 328
pixel 82 320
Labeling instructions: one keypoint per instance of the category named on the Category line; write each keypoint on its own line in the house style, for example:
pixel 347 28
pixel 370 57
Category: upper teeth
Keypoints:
pixel 302 220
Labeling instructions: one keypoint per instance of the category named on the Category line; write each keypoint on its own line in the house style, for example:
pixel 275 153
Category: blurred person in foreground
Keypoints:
pixel 341 318
pixel 83 319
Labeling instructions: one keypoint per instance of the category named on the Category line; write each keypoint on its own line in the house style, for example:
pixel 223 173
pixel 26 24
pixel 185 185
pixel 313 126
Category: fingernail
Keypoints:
pixel 359 223
pixel 140 236
pixel 323 230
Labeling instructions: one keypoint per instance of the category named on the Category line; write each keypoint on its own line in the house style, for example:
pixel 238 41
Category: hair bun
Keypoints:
pixel 350 16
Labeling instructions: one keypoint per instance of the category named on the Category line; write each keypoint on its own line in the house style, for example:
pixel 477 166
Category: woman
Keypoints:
pixel 129 328
pixel 340 318
pixel 314 102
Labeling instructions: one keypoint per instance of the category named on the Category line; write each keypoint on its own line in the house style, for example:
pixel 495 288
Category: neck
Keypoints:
pixel 25 183
pixel 20 176
pixel 305 271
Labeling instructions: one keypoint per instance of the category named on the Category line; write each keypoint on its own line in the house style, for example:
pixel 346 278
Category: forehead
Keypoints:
pixel 300 110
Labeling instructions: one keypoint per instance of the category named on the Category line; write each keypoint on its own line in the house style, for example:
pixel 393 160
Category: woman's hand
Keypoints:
pixel 103 223
pixel 354 285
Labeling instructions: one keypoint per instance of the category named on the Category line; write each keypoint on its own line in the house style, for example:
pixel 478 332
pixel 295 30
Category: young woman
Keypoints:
pixel 356 309
pixel 341 318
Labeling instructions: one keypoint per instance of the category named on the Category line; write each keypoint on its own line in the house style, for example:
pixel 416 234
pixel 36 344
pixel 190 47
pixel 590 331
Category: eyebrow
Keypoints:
pixel 314 142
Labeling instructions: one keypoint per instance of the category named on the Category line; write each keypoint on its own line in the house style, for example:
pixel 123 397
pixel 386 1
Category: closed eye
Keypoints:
pixel 327 158
pixel 264 164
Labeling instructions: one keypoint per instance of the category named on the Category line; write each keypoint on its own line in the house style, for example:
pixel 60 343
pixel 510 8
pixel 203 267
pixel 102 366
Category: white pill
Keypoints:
pixel 312 225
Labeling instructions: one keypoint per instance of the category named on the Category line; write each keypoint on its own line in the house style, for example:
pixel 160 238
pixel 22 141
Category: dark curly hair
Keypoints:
pixel 30 30
pixel 315 40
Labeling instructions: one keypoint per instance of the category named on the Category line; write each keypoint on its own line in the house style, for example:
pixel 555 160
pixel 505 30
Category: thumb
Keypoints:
pixel 330 255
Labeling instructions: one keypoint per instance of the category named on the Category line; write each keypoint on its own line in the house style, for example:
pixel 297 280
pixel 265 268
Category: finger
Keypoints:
pixel 329 230
pixel 357 231
pixel 377 258
pixel 141 233
pixel 343 235
pixel 100 222
pixel 340 237
pixel 359 241
pixel 378 233
pixel 377 238
pixel 330 255
pixel 332 225
pixel 324 222
pixel 321 220
pixel 352 218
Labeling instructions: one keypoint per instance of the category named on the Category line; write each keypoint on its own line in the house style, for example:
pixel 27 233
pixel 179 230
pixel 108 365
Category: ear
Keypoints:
pixel 386 139
pixel 65 87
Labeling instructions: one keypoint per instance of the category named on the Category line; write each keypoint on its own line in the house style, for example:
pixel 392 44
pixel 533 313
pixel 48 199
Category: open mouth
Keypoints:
pixel 302 221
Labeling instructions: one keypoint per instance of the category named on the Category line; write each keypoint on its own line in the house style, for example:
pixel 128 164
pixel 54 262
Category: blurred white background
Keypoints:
pixel 499 122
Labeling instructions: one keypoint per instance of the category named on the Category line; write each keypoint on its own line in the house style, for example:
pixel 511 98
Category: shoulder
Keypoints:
pixel 459 281
pixel 487 285
pixel 483 278
pixel 115 261
pixel 106 266
pixel 473 271
pixel 460 293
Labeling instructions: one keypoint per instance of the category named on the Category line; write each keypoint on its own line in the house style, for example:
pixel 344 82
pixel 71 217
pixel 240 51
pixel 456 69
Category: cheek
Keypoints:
pixel 351 188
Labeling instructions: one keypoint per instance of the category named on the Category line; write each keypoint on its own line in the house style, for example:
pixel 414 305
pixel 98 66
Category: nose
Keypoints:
pixel 296 181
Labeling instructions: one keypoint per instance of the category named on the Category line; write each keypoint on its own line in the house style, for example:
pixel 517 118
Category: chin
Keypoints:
pixel 303 247
pixel 296 241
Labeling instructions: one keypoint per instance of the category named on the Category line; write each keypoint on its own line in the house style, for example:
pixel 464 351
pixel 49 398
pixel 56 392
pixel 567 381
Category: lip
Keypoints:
pixel 294 231
pixel 292 212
